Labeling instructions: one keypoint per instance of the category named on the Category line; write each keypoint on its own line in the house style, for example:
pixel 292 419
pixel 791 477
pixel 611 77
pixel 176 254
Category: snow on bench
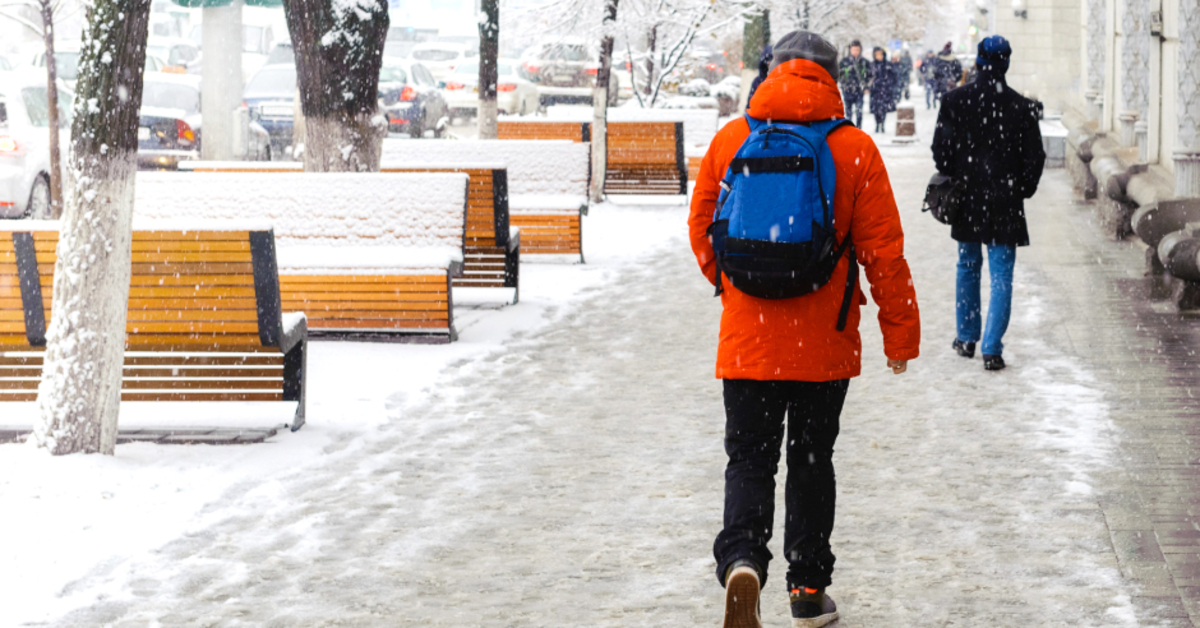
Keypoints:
pixel 547 183
pixel 643 157
pixel 492 255
pixel 365 255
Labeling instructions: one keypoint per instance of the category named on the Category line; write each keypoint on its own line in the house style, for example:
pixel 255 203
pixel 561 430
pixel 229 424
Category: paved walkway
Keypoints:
pixel 574 479
pixel 1117 322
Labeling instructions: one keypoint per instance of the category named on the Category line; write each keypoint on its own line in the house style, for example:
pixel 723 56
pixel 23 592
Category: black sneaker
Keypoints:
pixel 742 587
pixel 811 608
pixel 965 349
pixel 993 363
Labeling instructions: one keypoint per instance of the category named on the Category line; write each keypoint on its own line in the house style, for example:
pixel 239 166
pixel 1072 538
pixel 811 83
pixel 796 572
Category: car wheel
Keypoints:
pixel 39 199
pixel 266 155
pixel 416 128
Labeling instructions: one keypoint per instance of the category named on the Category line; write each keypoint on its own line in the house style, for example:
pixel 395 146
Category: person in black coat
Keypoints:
pixel 988 141
pixel 764 67
pixel 883 89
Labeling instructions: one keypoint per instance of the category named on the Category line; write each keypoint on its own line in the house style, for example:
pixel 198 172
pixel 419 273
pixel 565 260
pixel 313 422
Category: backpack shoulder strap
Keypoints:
pixel 826 127
pixel 755 123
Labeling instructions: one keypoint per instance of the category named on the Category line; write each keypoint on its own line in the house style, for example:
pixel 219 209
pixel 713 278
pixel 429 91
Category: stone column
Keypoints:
pixel 1128 121
pixel 1096 59
pixel 1187 156
pixel 1135 67
pixel 1141 130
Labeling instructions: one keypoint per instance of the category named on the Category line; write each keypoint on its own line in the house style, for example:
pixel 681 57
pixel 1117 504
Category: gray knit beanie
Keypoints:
pixel 806 45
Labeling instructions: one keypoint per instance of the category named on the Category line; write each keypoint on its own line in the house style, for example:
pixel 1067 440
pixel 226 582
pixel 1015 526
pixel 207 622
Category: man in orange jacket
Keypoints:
pixel 786 356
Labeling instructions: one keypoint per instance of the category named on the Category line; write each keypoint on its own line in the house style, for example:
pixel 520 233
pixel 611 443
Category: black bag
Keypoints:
pixel 943 198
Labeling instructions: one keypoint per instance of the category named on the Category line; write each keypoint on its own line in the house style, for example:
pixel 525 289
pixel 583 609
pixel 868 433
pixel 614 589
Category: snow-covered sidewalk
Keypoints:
pixel 562 466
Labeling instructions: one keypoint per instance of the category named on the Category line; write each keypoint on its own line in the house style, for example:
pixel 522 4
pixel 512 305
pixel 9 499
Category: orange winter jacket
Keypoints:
pixel 797 339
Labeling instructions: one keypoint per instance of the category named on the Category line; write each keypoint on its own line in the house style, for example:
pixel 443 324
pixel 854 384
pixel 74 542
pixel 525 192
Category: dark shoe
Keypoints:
pixel 965 349
pixel 993 363
pixel 811 608
pixel 742 587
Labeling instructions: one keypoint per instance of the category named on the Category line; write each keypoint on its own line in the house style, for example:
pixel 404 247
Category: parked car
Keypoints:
pixel 66 62
pixel 25 143
pixel 178 54
pixel 564 70
pixel 440 57
pixel 271 97
pixel 411 99
pixel 170 123
pixel 561 62
pixel 514 94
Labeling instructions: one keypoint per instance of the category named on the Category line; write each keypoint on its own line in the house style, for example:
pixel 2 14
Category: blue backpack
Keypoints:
pixel 773 230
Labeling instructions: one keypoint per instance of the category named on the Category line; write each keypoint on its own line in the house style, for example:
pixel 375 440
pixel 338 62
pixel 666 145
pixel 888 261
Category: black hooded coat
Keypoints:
pixel 883 85
pixel 988 139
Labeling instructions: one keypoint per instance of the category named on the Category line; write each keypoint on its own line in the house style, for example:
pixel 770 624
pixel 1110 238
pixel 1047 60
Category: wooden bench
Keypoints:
pixel 643 157
pixel 204 321
pixel 366 256
pixel 492 254
pixel 547 184
pixel 544 130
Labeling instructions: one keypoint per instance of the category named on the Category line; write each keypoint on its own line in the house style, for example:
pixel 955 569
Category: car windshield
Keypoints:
pixel 273 81
pixel 67 64
pixel 558 52
pixel 171 96
pixel 282 54
pixel 38 108
pixel 435 55
pixel 392 74
pixel 158 51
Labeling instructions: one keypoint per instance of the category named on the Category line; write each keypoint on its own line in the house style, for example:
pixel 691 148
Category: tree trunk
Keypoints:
pixel 56 187
pixel 339 51
pixel 489 52
pixel 651 50
pixel 600 104
pixel 80 394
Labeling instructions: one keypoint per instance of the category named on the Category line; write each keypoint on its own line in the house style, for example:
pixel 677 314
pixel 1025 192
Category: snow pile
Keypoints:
pixel 542 174
pixel 326 220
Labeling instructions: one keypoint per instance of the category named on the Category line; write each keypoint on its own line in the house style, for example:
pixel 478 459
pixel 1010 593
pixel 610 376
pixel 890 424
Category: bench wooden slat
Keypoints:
pixel 221 302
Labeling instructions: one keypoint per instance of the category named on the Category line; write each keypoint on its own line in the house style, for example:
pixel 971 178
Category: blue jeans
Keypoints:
pixel 1001 260
pixel 928 95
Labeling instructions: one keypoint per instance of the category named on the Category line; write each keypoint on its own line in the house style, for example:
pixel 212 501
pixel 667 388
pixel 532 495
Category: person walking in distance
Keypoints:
pixel 789 344
pixel 905 75
pixel 988 141
pixel 854 77
pixel 883 89
pixel 928 75
pixel 947 73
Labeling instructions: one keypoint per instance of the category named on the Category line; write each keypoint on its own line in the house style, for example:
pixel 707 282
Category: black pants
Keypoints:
pixel 854 110
pixel 881 122
pixel 754 430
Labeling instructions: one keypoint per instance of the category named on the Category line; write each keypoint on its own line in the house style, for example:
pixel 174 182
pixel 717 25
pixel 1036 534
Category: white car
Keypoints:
pixel 25 143
pixel 514 94
pixel 66 61
pixel 442 58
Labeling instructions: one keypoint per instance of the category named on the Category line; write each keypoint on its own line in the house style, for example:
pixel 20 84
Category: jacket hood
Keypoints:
pixel 946 56
pixel 797 91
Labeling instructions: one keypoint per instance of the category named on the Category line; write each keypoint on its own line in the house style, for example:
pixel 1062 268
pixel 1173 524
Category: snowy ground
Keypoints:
pixel 562 464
